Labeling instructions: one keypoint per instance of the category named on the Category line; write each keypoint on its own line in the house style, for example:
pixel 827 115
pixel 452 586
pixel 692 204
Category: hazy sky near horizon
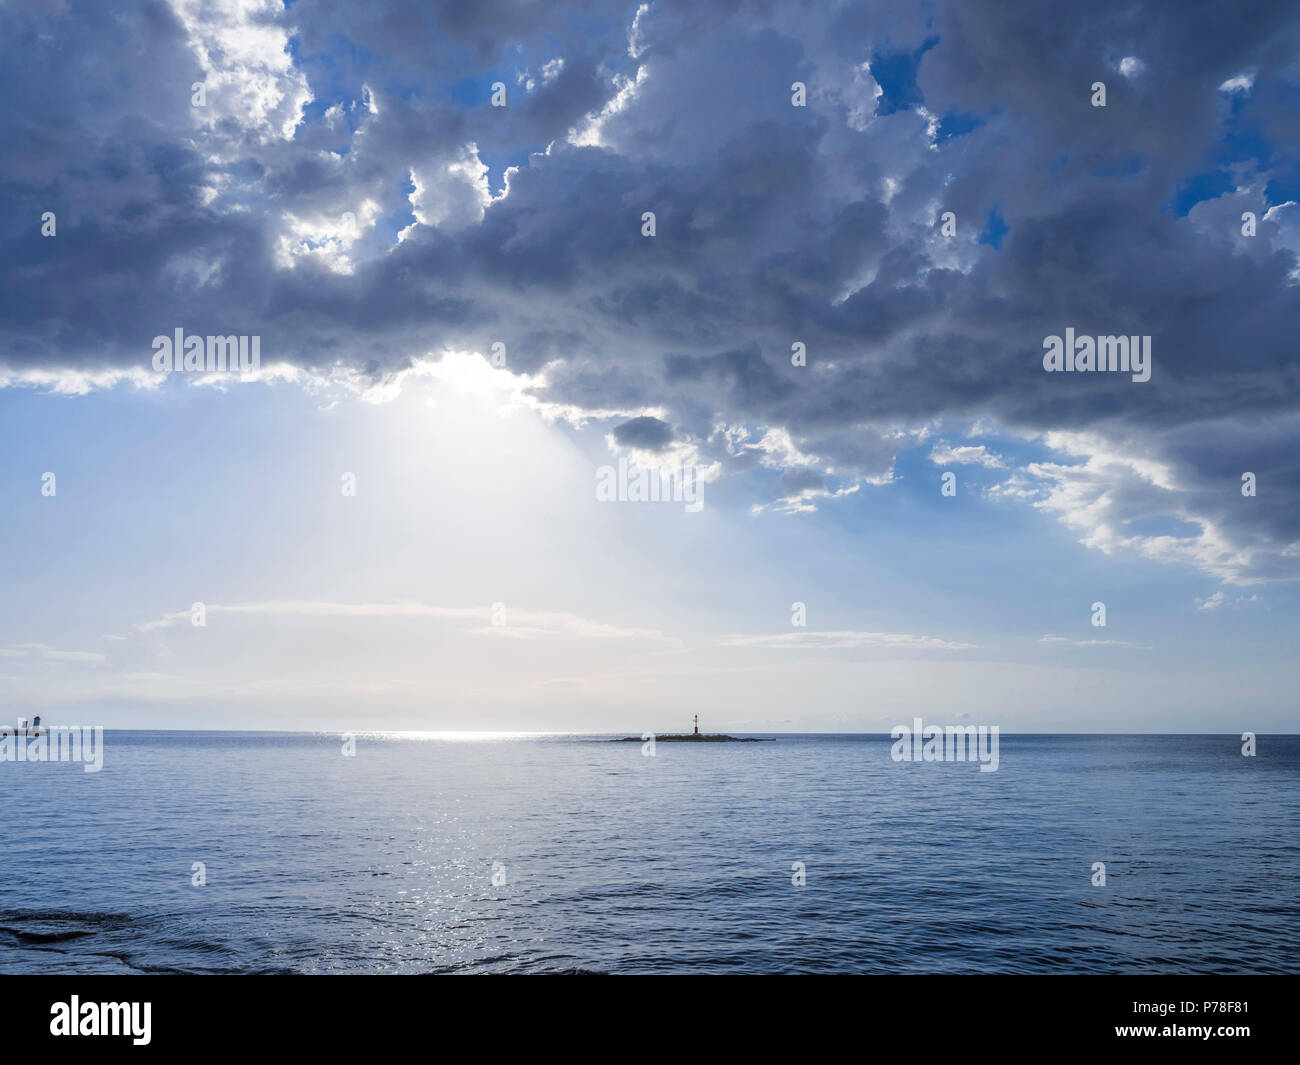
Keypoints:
pixel 348 193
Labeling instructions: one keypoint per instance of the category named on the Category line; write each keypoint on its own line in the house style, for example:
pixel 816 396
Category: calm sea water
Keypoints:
pixel 615 862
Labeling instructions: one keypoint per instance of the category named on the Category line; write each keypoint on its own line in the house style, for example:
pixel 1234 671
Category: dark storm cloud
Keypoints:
pixel 646 433
pixel 775 224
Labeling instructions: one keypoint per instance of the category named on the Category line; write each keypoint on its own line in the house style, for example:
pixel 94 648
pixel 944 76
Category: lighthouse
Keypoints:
pixel 697 724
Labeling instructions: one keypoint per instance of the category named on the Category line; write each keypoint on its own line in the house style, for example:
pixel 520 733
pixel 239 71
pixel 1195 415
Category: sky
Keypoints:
pixel 868 219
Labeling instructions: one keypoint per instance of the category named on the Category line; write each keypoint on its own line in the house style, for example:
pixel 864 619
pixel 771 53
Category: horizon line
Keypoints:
pixel 530 733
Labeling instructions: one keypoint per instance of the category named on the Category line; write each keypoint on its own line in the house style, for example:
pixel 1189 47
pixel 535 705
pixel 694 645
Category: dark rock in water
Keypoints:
pixel 695 738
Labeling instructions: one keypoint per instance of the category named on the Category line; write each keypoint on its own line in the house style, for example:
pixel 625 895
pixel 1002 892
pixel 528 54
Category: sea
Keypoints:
pixel 262 852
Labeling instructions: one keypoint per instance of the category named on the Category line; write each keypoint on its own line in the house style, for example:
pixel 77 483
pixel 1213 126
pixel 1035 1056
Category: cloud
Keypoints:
pixel 249 77
pixel 1062 640
pixel 1131 66
pixel 644 433
pixel 943 455
pixel 513 622
pixel 1218 599
pixel 1240 83
pixel 845 640
pixel 1191 481
pixel 41 652
pixel 350 195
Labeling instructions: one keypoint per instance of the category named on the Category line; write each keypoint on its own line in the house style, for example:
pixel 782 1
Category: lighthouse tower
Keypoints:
pixel 697 724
